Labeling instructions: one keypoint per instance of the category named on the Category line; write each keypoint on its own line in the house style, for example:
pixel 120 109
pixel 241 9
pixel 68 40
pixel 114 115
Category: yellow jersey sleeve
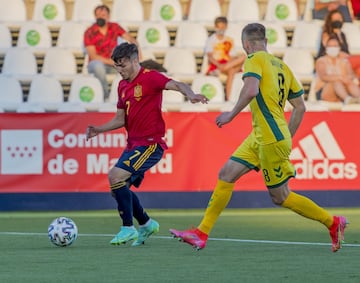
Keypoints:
pixel 276 85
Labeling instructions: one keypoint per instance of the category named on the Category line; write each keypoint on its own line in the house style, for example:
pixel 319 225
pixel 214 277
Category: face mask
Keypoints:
pixel 100 22
pixel 336 24
pixel 332 51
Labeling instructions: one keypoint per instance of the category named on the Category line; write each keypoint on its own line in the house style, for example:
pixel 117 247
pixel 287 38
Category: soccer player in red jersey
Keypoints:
pixel 139 111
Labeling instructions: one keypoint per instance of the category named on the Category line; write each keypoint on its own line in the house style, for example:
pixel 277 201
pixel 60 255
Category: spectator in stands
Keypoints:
pixel 100 39
pixel 332 27
pixel 323 7
pixel 221 54
pixel 335 79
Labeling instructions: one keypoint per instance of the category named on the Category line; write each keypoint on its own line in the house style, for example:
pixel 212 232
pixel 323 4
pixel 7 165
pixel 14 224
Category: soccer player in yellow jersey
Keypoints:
pixel 268 84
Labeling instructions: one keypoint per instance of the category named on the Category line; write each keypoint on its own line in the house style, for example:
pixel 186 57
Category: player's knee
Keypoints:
pixel 277 200
pixel 279 195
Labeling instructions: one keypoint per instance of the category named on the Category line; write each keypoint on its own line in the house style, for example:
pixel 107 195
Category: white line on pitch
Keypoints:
pixel 211 239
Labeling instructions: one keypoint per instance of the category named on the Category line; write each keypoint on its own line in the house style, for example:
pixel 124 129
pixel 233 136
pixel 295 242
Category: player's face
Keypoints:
pixel 126 68
pixel 220 29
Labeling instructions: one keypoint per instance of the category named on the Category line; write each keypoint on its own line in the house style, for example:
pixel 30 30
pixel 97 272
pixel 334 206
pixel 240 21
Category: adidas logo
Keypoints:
pixel 319 156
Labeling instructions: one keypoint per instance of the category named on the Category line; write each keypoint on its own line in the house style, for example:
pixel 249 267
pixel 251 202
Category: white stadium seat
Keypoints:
pixel 238 11
pixel 180 63
pixel 83 10
pixel 204 11
pixel 11 94
pixel 20 62
pixel 46 91
pixel 86 90
pixel 191 36
pixel 131 17
pixel 166 11
pixel 49 11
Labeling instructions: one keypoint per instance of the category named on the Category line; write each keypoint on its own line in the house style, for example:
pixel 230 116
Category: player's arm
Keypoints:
pixel 117 122
pixel 297 113
pixel 248 92
pixel 186 91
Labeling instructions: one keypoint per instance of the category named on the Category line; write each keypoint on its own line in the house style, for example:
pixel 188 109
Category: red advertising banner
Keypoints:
pixel 49 153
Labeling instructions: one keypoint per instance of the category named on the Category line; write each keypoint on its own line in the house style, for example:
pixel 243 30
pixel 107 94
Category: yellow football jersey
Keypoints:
pixel 277 84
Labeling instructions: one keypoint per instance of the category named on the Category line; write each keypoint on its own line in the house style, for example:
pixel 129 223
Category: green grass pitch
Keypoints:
pixel 246 245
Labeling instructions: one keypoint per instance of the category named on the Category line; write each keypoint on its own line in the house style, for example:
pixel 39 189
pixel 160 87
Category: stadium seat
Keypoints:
pixel 60 63
pixel 49 11
pixel 69 107
pixel 147 55
pixel 19 62
pixel 131 17
pixel 212 88
pixel 277 38
pixel 12 13
pixel 35 36
pixel 107 107
pixel 167 11
pixel 71 36
pixel 315 106
pixel 191 107
pixel 172 100
pixel 234 30
pixel 11 94
pixel 236 87
pixel 153 36
pixel 27 107
pixel 238 13
pixel 191 36
pixel 284 11
pixel 180 63
pixel 204 11
pixel 113 97
pixel 83 10
pixel 352 32
pixel 46 91
pixel 86 90
pixel 307 35
pixel 301 62
pixel 5 39
pixel 308 10
pixel 351 108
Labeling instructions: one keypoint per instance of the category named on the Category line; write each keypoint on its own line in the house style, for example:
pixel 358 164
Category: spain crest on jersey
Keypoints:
pixel 138 92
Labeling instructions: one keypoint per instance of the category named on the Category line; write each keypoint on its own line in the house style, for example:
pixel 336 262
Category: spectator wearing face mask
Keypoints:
pixel 99 40
pixel 221 54
pixel 335 78
pixel 332 27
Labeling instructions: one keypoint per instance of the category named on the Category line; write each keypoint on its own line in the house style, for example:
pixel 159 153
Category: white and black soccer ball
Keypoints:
pixel 62 231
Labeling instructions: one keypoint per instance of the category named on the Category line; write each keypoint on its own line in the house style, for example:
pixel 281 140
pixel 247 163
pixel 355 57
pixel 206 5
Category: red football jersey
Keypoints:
pixel 142 99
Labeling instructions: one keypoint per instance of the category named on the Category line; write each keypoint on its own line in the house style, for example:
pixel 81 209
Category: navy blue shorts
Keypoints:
pixel 139 160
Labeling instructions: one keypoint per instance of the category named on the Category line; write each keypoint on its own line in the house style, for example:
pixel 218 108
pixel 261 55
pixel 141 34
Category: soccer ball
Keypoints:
pixel 62 231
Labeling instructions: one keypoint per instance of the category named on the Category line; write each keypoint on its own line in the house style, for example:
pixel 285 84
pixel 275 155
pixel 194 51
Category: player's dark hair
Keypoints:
pixel 125 50
pixel 254 32
pixel 102 7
